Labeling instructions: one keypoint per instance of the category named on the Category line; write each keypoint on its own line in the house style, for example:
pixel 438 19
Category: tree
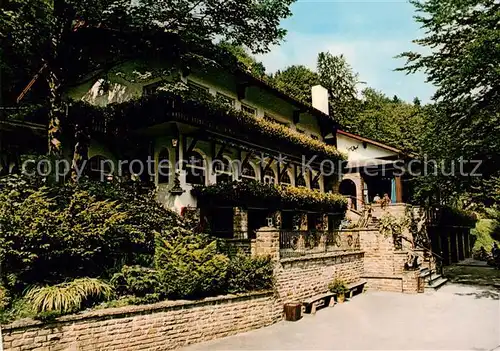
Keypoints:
pixel 296 81
pixel 251 64
pixel 50 32
pixel 337 76
pixel 463 62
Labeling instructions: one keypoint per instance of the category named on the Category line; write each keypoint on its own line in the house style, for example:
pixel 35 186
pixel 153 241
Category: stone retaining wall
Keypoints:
pixel 163 326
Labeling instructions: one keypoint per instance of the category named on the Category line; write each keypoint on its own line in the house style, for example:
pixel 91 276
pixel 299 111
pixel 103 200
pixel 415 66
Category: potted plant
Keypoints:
pixel 339 288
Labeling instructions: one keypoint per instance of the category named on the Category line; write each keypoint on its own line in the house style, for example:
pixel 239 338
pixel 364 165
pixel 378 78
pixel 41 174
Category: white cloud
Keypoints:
pixel 373 59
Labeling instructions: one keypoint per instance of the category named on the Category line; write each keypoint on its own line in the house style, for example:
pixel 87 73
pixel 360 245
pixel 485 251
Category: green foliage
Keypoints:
pixel 250 192
pixel 190 266
pixel 486 232
pixel 338 287
pixel 141 282
pixel 454 216
pixel 296 81
pixel 249 274
pixel 48 234
pixel 4 298
pixel 256 68
pixel 461 58
pixel 68 297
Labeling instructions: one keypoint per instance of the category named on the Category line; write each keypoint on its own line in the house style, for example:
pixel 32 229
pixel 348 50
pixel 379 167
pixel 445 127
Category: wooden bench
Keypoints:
pixel 311 304
pixel 357 287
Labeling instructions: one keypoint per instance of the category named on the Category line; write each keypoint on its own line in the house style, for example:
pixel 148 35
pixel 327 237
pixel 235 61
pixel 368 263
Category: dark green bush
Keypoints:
pixel 190 266
pixel 249 274
pixel 49 234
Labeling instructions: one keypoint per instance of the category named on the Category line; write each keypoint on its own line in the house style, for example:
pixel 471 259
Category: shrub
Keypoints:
pixel 249 274
pixel 338 287
pixel 48 234
pixel 141 282
pixel 4 298
pixel 68 297
pixel 190 266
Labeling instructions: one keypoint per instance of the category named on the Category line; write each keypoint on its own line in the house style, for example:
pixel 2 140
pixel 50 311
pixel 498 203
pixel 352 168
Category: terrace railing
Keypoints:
pixel 302 243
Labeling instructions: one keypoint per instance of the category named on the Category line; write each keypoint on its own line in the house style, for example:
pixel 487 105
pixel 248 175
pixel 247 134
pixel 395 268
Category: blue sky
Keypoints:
pixel 369 34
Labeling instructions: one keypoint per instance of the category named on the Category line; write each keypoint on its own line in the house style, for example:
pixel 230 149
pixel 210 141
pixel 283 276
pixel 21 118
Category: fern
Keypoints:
pixel 68 297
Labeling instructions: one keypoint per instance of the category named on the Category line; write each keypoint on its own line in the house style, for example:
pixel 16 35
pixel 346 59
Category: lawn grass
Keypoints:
pixel 473 275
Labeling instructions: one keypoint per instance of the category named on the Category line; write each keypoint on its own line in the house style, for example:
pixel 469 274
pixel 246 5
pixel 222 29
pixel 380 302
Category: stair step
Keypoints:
pixel 425 273
pixel 436 284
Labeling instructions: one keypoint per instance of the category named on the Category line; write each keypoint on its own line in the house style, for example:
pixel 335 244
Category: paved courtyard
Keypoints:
pixel 456 317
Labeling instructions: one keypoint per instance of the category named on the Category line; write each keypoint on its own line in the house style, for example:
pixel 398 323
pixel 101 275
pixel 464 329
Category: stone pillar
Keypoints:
pixel 453 247
pixel 461 250
pixel 399 190
pixel 410 281
pixel 466 243
pixel 267 243
pixel 240 223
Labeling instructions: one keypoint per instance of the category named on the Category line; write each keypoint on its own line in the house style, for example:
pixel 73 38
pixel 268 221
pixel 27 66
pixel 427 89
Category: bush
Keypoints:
pixel 4 298
pixel 338 287
pixel 249 274
pixel 68 297
pixel 51 233
pixel 141 282
pixel 190 266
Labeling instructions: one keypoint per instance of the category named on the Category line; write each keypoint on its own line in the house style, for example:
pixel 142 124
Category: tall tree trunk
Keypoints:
pixel 80 153
pixel 57 110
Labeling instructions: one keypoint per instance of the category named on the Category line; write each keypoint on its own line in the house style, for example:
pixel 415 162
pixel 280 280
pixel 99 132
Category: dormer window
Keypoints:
pixel 248 109
pixel 197 87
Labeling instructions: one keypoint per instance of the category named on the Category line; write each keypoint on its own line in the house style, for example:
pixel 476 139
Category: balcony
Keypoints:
pixel 303 243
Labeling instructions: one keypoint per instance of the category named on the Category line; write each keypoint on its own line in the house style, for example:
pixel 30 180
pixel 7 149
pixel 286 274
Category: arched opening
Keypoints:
pixel 248 172
pixel 269 176
pixel 163 167
pixel 223 170
pixel 348 189
pixel 301 181
pixel 285 179
pixel 195 169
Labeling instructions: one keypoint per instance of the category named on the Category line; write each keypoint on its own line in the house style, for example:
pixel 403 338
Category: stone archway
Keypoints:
pixel 348 188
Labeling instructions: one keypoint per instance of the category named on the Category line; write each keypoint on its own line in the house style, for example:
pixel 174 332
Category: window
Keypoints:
pixel 222 169
pixel 272 119
pixel 151 88
pixel 285 179
pixel 248 109
pixel 226 99
pixel 315 184
pixel 248 172
pixel 100 168
pixel 269 177
pixel 301 181
pixel 197 87
pixel 195 169
pixel 163 167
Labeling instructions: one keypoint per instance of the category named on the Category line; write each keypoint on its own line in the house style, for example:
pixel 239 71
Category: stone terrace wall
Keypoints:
pixel 384 265
pixel 163 326
pixel 301 278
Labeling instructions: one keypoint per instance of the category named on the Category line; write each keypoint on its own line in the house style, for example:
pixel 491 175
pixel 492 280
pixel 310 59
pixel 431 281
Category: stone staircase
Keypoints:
pixel 433 280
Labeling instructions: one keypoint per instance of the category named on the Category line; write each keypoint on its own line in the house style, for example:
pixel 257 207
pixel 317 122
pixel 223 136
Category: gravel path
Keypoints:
pixel 456 317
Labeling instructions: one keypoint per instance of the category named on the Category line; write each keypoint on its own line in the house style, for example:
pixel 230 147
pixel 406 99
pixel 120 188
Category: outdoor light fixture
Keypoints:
pixel 175 142
pixel 270 222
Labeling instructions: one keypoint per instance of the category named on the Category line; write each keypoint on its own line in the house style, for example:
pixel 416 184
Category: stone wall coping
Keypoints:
pixel 321 256
pixel 392 277
pixel 128 311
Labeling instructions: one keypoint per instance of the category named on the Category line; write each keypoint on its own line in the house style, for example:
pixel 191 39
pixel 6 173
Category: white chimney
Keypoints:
pixel 320 98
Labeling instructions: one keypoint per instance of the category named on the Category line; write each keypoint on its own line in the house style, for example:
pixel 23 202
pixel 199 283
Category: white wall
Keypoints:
pixel 356 151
